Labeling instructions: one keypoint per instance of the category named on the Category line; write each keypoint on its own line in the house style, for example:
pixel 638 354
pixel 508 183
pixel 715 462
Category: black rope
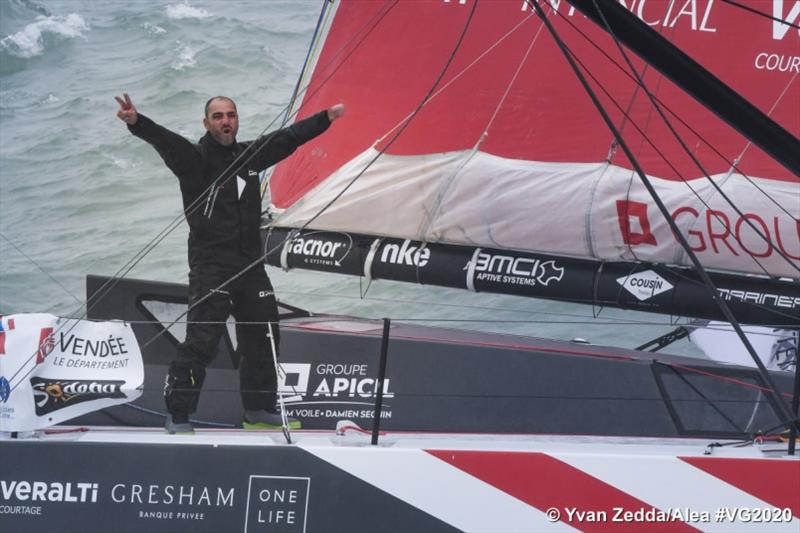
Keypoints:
pixel 123 271
pixel 196 203
pixel 37 265
pixel 705 399
pixel 688 151
pixel 352 181
pixel 677 117
pixel 659 106
pixel 760 13
pixel 783 410
pixel 669 163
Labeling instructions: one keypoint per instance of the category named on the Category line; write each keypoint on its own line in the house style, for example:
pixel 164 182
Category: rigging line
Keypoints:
pixel 769 113
pixel 445 187
pixel 741 114
pixel 759 13
pixel 325 207
pixel 660 154
pixel 459 306
pixel 694 159
pixel 103 290
pixel 793 317
pixel 377 18
pixel 688 184
pixel 500 394
pixel 463 71
pixel 689 152
pixel 625 119
pixel 422 103
pixel 204 298
pixel 171 226
pixel 645 68
pixel 263 185
pixel 755 411
pixel 721 327
pixel 706 400
pixel 677 117
pixel 722 377
pixel 580 319
pixel 37 265
pixel 154 412
pixel 658 106
pixel 312 47
pixel 655 149
pixel 122 272
pixel 783 410
pixel 428 319
pixel 264 255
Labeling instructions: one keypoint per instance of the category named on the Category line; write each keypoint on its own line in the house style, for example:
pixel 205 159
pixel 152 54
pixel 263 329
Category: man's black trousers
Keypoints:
pixel 251 301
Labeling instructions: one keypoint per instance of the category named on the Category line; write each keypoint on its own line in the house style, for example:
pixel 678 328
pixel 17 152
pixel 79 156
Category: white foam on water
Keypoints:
pixel 185 57
pixel 152 29
pixel 29 42
pixel 186 11
pixel 118 161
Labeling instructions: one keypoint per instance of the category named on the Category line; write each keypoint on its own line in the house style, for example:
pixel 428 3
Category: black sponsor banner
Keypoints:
pixel 325 251
pixel 681 292
pixel 51 394
pixel 535 275
pixel 639 286
pixel 89 487
pixel 418 262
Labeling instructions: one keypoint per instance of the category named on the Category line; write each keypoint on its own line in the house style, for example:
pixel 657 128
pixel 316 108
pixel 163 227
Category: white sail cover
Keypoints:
pixel 508 152
pixel 54 369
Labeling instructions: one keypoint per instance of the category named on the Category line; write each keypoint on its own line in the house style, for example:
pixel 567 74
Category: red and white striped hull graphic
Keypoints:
pixel 616 488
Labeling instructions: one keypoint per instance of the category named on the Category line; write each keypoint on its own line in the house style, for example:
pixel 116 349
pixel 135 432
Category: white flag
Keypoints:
pixel 53 369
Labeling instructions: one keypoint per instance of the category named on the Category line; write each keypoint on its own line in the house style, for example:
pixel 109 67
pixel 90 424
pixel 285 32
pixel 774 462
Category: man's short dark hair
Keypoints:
pixel 218 98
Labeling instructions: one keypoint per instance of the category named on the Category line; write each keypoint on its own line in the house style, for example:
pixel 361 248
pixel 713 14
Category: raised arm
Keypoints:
pixel 178 153
pixel 278 145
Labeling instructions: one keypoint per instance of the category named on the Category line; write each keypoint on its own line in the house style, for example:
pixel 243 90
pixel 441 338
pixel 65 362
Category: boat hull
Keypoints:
pixel 232 480
pixel 447 380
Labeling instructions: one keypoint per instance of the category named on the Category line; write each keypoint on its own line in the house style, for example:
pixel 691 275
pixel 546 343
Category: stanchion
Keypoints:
pixel 376 421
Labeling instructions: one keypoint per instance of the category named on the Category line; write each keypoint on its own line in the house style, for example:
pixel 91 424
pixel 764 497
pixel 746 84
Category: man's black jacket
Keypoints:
pixel 229 237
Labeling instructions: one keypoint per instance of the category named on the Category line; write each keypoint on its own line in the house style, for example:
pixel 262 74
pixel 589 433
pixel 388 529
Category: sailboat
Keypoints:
pixel 475 158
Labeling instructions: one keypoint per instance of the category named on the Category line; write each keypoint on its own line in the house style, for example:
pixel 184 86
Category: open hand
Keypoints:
pixel 127 112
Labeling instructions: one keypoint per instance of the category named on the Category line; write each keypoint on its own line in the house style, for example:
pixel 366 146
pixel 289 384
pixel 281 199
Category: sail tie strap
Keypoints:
pixel 373 249
pixel 287 244
pixel 470 268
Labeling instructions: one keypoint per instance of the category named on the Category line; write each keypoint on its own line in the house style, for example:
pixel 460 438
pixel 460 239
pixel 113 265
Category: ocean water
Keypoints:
pixel 80 195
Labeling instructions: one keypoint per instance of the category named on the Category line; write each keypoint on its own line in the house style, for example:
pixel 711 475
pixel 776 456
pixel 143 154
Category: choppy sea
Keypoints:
pixel 80 195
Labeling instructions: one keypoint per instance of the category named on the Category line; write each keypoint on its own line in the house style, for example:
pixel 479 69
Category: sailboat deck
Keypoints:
pixel 408 440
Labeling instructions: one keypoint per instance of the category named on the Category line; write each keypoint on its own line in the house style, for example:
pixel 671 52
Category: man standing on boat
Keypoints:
pixel 219 183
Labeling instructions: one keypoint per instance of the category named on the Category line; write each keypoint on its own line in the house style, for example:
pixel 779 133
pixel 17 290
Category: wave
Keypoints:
pixel 186 11
pixel 33 6
pixel 153 29
pixel 30 41
pixel 185 57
